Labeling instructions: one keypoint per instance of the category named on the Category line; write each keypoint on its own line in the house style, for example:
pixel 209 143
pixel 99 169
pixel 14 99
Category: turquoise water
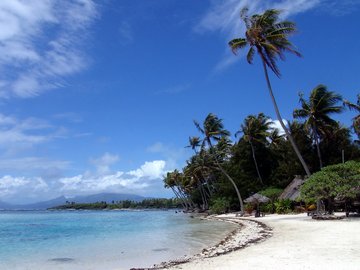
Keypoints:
pixel 89 240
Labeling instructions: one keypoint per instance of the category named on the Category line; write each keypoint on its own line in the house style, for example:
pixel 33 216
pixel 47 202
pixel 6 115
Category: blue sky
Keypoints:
pixel 100 96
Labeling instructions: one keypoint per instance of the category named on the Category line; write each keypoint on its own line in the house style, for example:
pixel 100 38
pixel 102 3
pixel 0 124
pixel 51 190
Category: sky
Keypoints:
pixel 100 96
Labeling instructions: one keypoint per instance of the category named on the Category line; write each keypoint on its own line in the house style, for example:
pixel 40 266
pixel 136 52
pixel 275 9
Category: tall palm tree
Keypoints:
pixel 356 119
pixel 255 130
pixel 213 130
pixel 269 38
pixel 316 113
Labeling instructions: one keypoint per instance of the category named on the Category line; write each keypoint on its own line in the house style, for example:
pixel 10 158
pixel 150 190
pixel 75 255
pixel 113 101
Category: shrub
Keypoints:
pixel 220 206
pixel 283 206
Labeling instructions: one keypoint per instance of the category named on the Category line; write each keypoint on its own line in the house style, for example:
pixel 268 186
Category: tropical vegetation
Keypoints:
pixel 263 159
pixel 340 182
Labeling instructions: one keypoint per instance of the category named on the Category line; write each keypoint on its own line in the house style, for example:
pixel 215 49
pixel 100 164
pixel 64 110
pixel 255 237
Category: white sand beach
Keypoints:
pixel 298 242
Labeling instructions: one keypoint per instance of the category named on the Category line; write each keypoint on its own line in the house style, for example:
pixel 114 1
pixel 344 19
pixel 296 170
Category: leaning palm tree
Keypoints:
pixel 255 130
pixel 268 37
pixel 316 113
pixel 213 130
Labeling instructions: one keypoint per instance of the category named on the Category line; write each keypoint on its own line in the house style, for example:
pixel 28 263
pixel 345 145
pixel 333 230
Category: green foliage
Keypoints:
pixel 220 205
pixel 267 207
pixel 283 206
pixel 272 193
pixel 336 181
pixel 156 203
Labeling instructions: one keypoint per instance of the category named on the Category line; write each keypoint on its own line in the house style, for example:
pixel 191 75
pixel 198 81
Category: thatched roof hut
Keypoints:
pixel 292 191
pixel 257 198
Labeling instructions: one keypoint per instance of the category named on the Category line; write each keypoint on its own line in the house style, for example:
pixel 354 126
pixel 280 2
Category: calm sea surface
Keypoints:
pixel 109 240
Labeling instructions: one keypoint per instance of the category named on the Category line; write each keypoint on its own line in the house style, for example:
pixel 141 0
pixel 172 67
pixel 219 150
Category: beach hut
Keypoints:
pixel 292 191
pixel 256 199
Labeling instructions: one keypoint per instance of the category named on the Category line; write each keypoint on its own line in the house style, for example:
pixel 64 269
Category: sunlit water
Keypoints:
pixel 109 240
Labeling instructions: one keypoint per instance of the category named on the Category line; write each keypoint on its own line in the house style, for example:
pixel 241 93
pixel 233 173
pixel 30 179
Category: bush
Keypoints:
pixel 283 206
pixel 220 206
pixel 267 207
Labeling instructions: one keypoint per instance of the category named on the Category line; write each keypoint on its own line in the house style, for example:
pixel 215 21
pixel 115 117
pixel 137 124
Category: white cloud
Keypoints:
pixel 137 181
pixel 276 125
pixel 144 180
pixel 224 16
pixel 40 43
pixel 15 186
pixel 104 162
pixel 151 170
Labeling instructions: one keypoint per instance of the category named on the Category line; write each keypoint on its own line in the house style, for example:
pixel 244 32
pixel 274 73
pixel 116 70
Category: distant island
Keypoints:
pixel 102 199
pixel 155 203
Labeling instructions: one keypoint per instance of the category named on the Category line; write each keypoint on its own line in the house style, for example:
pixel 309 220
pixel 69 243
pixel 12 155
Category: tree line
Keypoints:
pixel 152 203
pixel 221 172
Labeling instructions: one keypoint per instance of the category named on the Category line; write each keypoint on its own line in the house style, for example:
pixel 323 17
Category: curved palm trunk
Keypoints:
pixel 234 184
pixel 293 144
pixel 231 181
pixel 255 161
pixel 179 197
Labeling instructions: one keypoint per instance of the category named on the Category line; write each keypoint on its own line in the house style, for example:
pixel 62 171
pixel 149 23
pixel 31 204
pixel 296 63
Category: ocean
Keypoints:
pixel 94 240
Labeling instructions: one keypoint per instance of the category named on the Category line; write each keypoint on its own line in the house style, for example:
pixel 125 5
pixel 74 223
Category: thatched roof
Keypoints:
pixel 292 191
pixel 257 198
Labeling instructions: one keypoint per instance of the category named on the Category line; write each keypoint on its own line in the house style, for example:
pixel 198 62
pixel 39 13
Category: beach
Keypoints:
pixel 296 242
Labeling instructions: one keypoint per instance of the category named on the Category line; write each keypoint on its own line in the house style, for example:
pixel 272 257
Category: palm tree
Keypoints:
pixel 213 130
pixel 268 37
pixel 356 119
pixel 194 143
pixel 255 130
pixel 275 137
pixel 316 111
pixel 177 182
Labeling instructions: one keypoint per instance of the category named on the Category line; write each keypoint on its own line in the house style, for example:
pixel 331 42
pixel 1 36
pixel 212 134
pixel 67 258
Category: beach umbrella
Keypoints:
pixel 257 198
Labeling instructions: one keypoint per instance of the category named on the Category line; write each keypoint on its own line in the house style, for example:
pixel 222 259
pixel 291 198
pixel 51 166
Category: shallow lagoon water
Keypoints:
pixel 95 240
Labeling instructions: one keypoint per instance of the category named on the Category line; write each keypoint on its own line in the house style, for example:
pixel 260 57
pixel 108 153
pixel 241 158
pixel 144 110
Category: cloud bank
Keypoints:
pixel 148 177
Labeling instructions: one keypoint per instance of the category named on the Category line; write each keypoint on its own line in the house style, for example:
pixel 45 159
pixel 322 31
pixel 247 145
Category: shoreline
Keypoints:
pixel 248 232
pixel 294 241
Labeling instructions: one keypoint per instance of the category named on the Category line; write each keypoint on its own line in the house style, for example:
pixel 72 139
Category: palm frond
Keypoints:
pixel 197 125
pixel 250 55
pixel 237 44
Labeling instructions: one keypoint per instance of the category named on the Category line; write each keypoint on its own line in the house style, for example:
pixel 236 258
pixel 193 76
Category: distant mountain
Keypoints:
pixel 101 197
pixel 4 205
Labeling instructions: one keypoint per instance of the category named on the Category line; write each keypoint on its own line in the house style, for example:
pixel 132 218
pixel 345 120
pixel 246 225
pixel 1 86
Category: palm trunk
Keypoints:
pixel 179 197
pixel 256 165
pixel 316 137
pixel 231 180
pixel 293 144
pixel 234 184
